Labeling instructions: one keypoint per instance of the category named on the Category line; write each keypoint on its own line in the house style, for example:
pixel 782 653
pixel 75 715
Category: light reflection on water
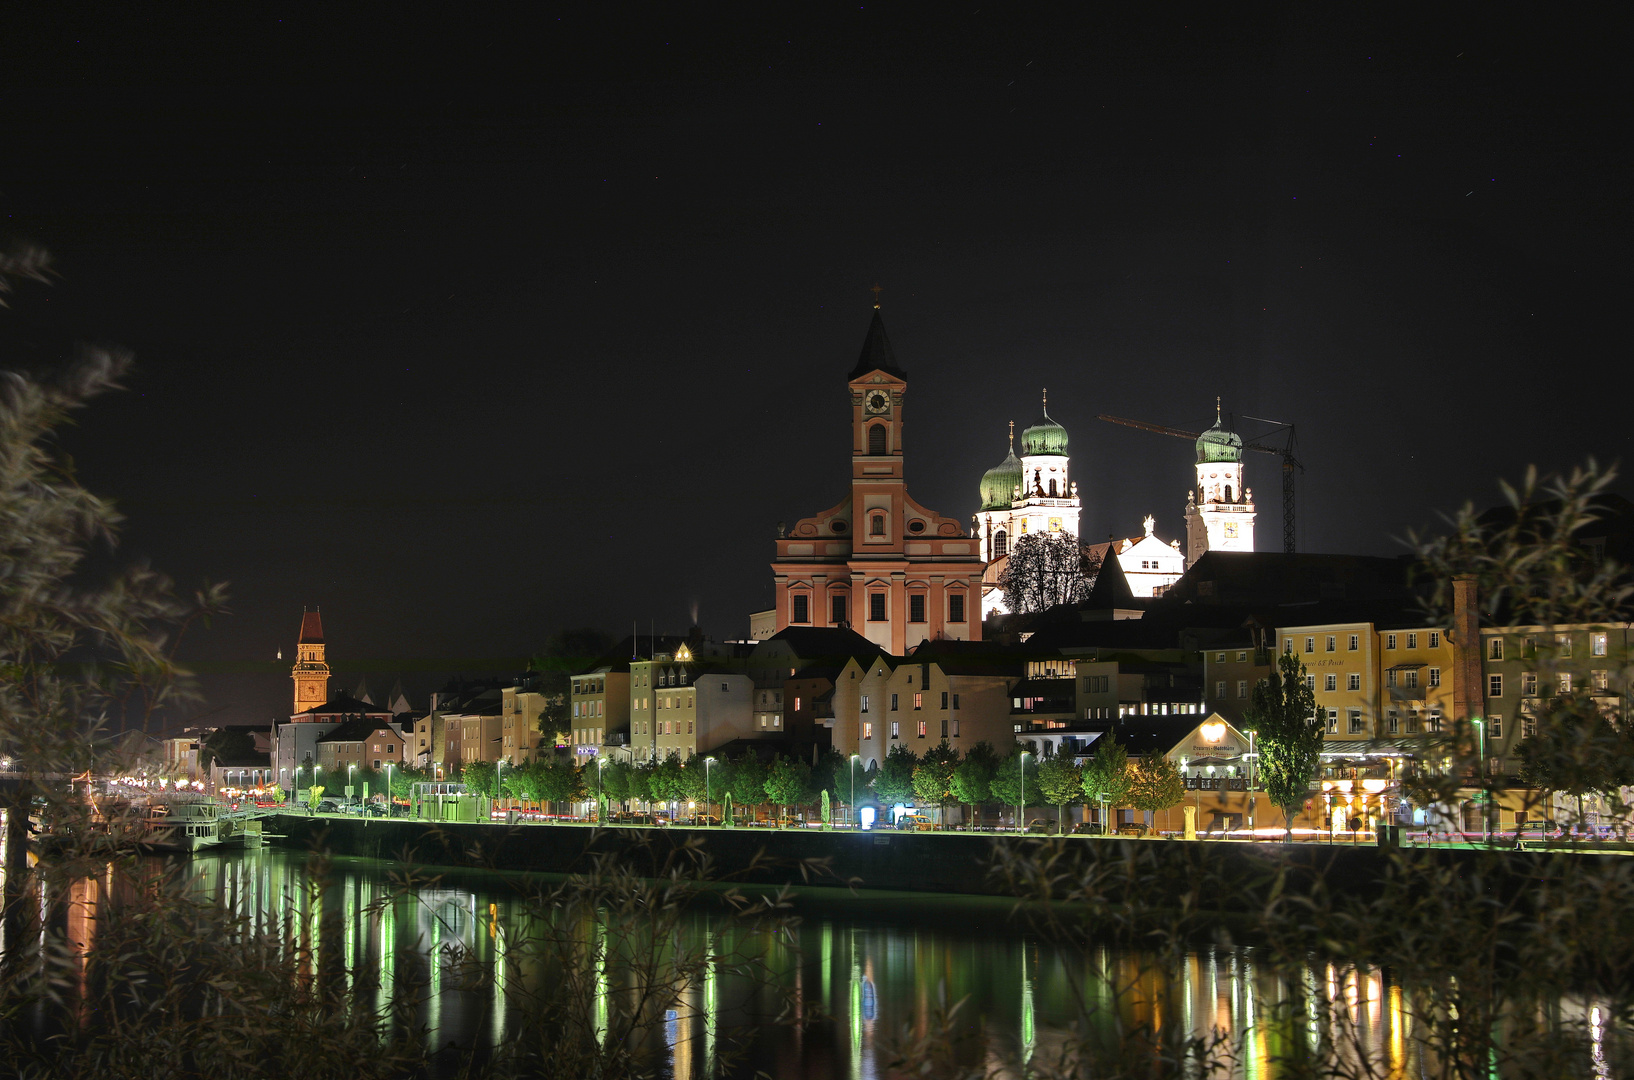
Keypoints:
pixel 874 983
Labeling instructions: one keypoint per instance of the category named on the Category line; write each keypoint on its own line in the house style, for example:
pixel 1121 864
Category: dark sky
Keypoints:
pixel 469 327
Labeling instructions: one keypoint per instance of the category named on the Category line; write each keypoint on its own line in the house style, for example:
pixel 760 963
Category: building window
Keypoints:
pixel 797 703
pixel 1287 645
pixel 1330 682
pixel 876 607
pixel 1529 725
pixel 916 608
pixel 1435 639
pixel 867 729
pixel 1497 724
pixel 944 700
pixel 876 440
pixel 893 702
pixel 1495 684
pixel 918 700
pixel 944 729
pixel 956 608
pixel 1001 544
pixel 1242 658
pixel 865 703
pixel 837 609
pixel 1355 721
pixel 1412 641
pixel 1600 680
pixel 1219 689
pixel 955 704
pixel 1353 681
pixel 1310 644
pixel 1310 682
pixel 1563 644
pixel 1529 684
pixel 1495 648
pixel 1564 680
pixel 1390 677
pixel 1435 676
pixel 1333 721
pixel 921 729
pixel 1392 721
pixel 1355 643
pixel 1597 644
pixel 955 727
pixel 1412 722
pixel 1389 641
pixel 801 614
pixel 894 730
pixel 1219 658
pixel 1242 688
pixel 1331 642
pixel 1409 679
pixel 876 525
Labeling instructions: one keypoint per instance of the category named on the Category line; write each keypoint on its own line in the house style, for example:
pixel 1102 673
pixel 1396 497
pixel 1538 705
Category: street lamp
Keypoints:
pixel 350 769
pixel 391 806
pixel 1480 773
pixel 1021 812
pixel 499 775
pixel 854 759
pixel 708 761
pixel 601 794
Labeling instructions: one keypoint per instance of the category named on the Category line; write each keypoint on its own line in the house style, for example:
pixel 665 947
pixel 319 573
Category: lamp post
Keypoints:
pixel 350 769
pixel 601 792
pixel 708 761
pixel 1480 773
pixel 854 759
pixel 1021 811
pixel 391 805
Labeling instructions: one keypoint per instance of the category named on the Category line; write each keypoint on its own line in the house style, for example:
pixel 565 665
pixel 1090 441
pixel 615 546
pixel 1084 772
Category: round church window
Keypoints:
pixel 916 526
pixel 837 526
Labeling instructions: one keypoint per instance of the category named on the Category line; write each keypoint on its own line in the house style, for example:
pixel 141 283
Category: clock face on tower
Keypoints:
pixel 877 401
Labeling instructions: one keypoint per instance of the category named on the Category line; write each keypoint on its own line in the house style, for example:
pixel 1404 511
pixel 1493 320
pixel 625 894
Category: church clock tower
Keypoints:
pixel 1219 510
pixel 311 673
pixel 878 562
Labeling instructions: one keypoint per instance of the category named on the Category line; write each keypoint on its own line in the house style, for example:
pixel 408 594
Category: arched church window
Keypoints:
pixel 876 525
pixel 876 440
pixel 1001 544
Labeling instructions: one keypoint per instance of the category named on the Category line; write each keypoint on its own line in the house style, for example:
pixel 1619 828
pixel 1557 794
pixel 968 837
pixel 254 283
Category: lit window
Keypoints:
pixel 1564 682
pixel 921 729
pixel 895 733
pixel 1563 644
pixel 865 703
pixel 1597 644
pixel 1600 680
pixel 1333 721
pixel 1355 721
pixel 918 701
pixel 867 729
pixel 797 703
pixel 1529 684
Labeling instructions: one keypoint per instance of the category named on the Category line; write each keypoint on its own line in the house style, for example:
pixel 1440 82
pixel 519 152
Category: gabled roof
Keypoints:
pixel 969 658
pixel 358 730
pixel 1268 578
pixel 342 704
pixel 877 354
pixel 311 628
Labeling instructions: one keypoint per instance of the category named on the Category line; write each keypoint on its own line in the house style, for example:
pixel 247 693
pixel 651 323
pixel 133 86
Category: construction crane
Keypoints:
pixel 1263 444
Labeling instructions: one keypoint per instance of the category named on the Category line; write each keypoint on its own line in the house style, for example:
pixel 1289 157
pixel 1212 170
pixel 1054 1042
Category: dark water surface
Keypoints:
pixel 875 972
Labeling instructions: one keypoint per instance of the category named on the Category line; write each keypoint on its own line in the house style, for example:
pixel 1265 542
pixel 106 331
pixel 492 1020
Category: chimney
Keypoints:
pixel 1466 643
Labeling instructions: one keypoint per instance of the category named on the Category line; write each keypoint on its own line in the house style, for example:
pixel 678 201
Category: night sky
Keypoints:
pixel 472 327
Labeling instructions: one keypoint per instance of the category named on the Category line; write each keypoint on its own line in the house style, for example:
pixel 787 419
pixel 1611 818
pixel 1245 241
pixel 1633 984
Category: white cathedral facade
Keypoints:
pixel 1036 494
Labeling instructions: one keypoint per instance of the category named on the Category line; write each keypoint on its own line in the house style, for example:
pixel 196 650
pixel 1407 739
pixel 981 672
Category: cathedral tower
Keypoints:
pixel 311 673
pixel 1219 510
pixel 1027 495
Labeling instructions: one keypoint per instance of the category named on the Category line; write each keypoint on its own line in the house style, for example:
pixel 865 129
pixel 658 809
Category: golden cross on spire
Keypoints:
pixel 876 290
pixel 1046 397
pixel 1012 436
pixel 1216 410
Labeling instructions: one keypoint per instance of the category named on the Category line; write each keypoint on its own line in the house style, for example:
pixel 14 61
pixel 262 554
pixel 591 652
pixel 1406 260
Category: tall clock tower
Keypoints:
pixel 311 673
pixel 1219 510
pixel 878 562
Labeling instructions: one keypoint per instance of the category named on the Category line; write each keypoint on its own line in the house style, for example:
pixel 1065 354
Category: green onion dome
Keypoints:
pixel 1000 482
pixel 1044 437
pixel 1218 444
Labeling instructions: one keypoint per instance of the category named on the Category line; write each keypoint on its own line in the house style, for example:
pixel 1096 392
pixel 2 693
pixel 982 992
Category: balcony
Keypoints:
pixel 1216 783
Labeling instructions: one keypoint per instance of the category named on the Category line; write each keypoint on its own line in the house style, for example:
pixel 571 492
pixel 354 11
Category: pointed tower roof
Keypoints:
pixel 311 628
pixel 876 352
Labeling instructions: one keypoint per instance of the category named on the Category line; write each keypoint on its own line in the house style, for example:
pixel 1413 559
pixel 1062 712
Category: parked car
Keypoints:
pixel 328 806
pixel 914 822
pixel 704 820
pixel 375 809
pixel 1088 828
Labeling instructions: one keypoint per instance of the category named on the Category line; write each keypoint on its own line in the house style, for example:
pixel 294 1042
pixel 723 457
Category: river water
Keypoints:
pixel 872 975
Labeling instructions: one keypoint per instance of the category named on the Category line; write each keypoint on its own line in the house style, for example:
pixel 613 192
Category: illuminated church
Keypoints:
pixel 877 561
pixel 1027 495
